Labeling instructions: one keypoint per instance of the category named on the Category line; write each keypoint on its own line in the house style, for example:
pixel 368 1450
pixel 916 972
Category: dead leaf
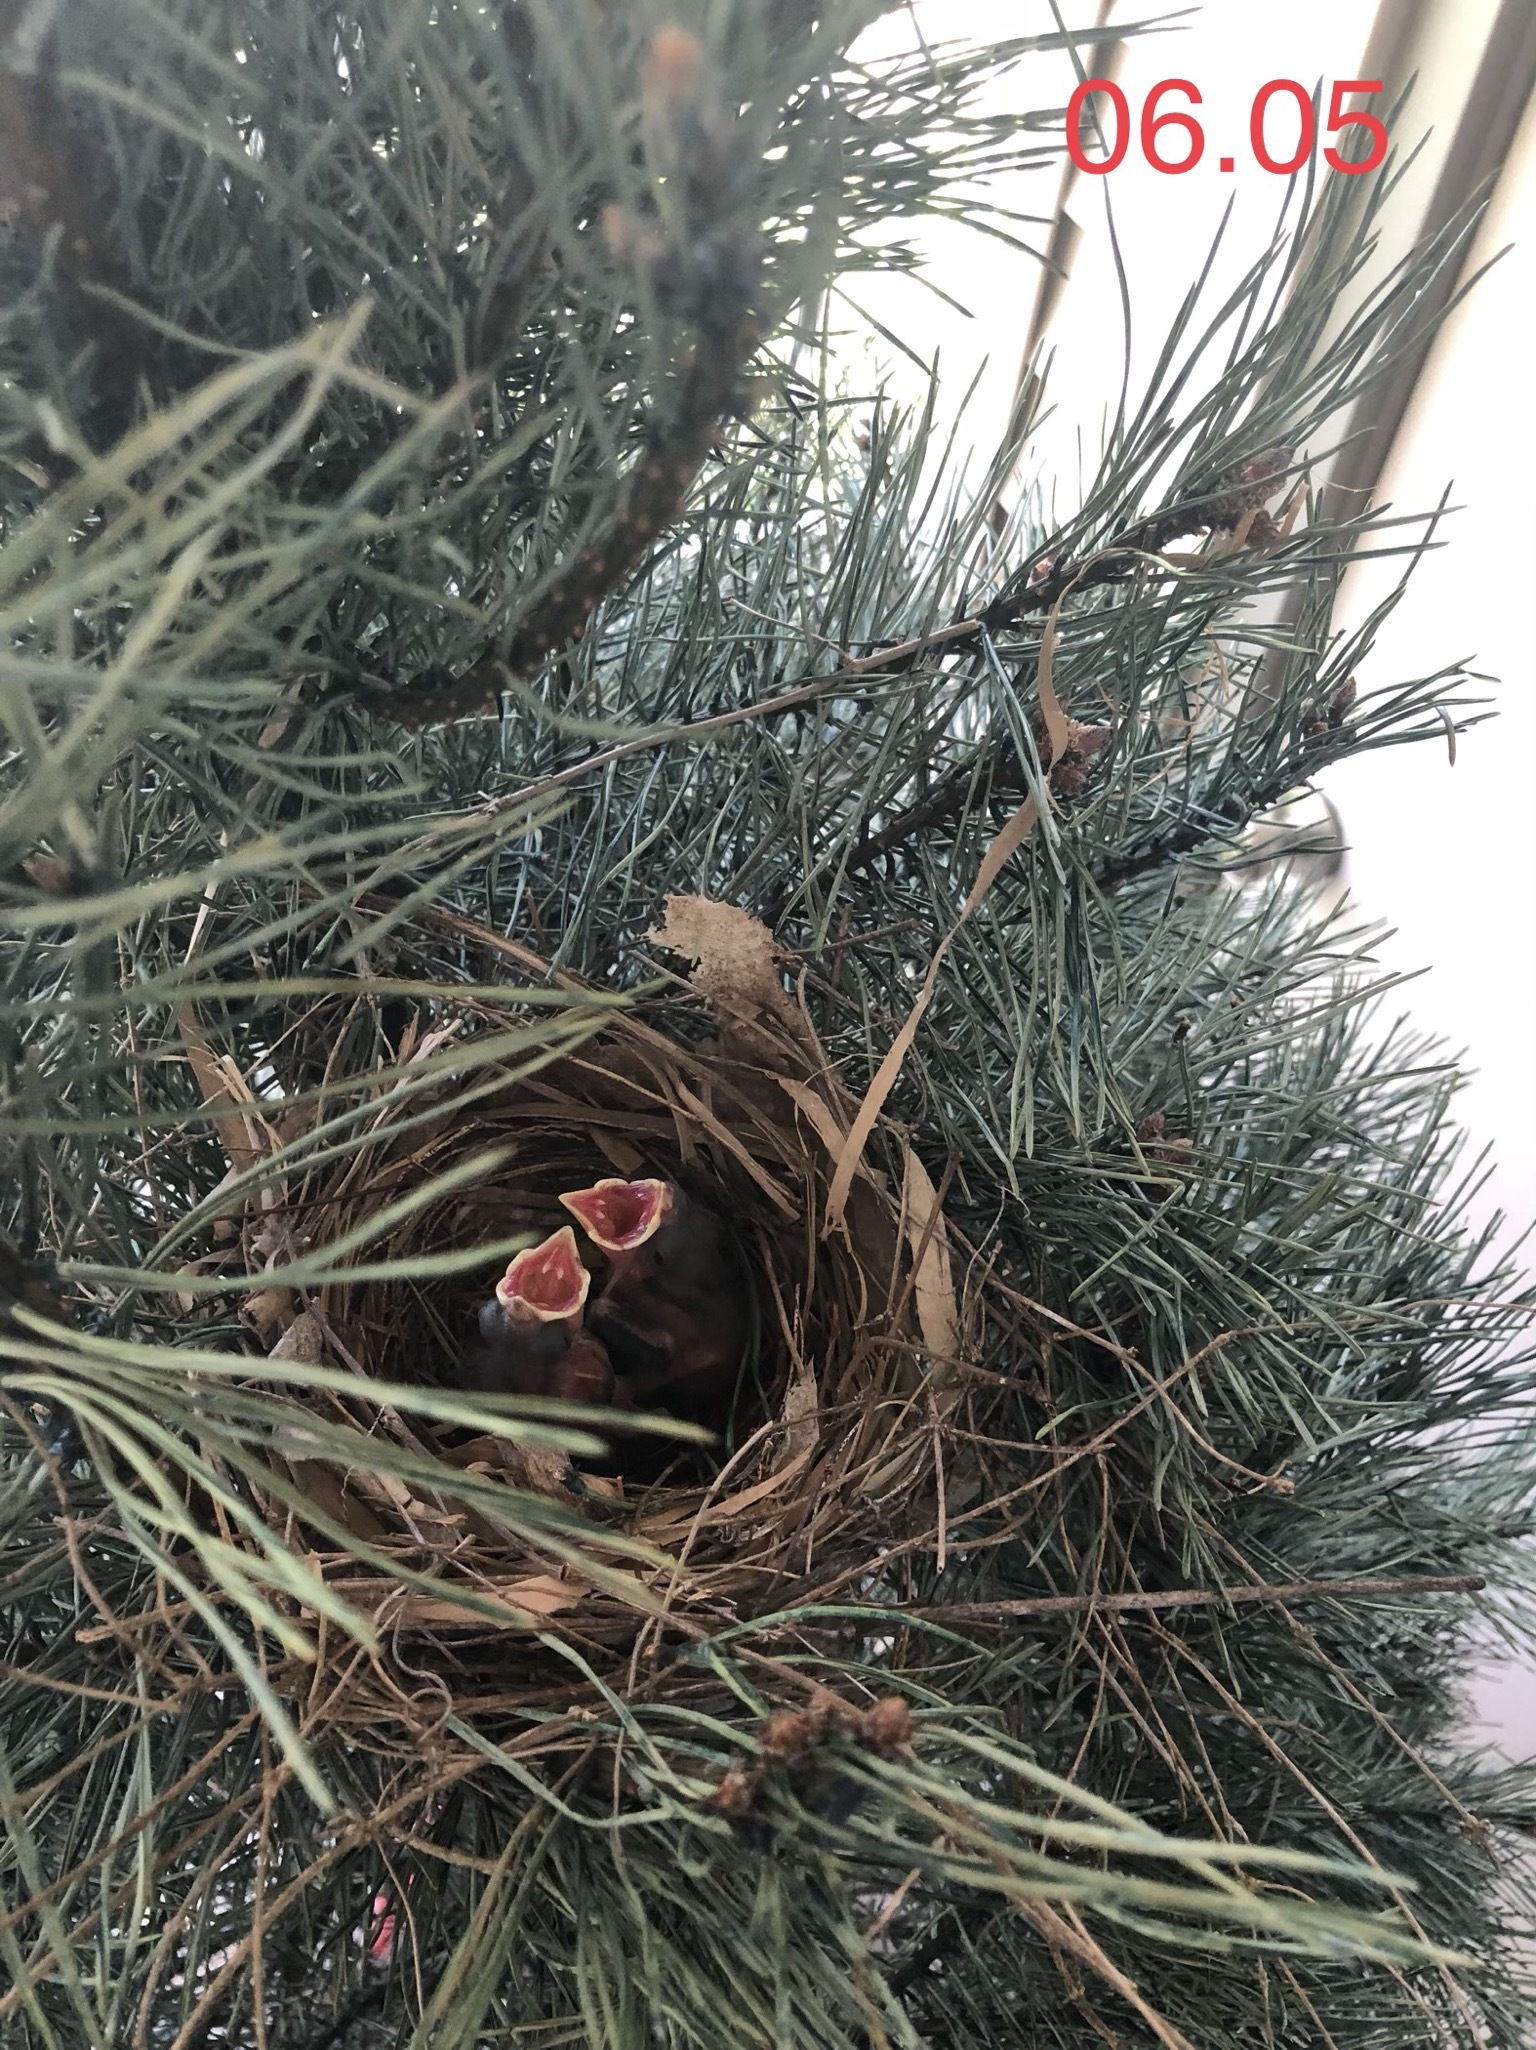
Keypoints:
pixel 1051 710
pixel 933 1284
pixel 294 1441
pixel 543 1469
pixel 303 1342
pixel 798 1414
pixel 320 1484
pixel 243 1130
pixel 817 1112
pixel 664 1528
pixel 524 1603
pixel 544 1594
pixel 735 961
pixel 268 1310
pixel 1006 844
pixel 385 1488
pixel 609 1486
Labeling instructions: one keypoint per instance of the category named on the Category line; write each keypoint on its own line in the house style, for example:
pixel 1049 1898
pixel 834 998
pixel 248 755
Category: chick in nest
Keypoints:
pixel 673 1306
pixel 533 1339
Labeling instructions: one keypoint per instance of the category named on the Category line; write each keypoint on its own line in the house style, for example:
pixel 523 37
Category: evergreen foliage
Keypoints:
pixel 423 556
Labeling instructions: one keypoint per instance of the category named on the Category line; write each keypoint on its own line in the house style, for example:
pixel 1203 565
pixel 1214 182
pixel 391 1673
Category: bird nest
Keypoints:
pixel 853 1328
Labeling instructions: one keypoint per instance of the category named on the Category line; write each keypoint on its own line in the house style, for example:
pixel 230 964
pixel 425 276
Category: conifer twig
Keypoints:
pixel 709 269
pixel 1144 1600
pixel 1044 584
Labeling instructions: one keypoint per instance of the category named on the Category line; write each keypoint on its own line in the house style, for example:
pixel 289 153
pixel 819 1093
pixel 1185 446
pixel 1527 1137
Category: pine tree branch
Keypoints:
pixel 478 691
pixel 1184 839
pixel 708 271
pixel 1246 490
pixel 1311 1283
pixel 655 496
pixel 1148 1600
pixel 1044 585
pixel 47 188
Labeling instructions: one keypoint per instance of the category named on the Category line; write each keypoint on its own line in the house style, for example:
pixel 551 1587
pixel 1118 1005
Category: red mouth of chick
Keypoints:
pixel 617 1215
pixel 547 1281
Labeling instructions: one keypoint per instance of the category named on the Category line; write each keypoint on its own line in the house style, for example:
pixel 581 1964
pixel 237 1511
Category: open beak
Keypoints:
pixel 547 1283
pixel 620 1216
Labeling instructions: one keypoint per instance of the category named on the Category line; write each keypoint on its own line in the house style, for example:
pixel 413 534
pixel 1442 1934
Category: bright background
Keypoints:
pixel 1444 857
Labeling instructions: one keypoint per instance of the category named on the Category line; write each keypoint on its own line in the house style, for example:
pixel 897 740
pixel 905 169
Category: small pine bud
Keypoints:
pixel 1250 485
pixel 787 1736
pixel 1263 533
pixel 830 1717
pixel 887 1727
pixel 1069 776
pixel 1151 1134
pixel 1341 701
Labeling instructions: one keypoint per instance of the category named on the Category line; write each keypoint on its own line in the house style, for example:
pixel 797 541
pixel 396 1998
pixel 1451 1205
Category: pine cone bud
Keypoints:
pixel 887 1727
pixel 787 1736
pixel 1250 486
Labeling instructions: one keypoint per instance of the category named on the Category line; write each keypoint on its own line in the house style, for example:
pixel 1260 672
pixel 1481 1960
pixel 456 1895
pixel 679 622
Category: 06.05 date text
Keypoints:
pixel 1365 133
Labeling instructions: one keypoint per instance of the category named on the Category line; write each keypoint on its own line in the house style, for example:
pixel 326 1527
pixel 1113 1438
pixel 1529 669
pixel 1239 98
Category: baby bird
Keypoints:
pixel 532 1340
pixel 673 1307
